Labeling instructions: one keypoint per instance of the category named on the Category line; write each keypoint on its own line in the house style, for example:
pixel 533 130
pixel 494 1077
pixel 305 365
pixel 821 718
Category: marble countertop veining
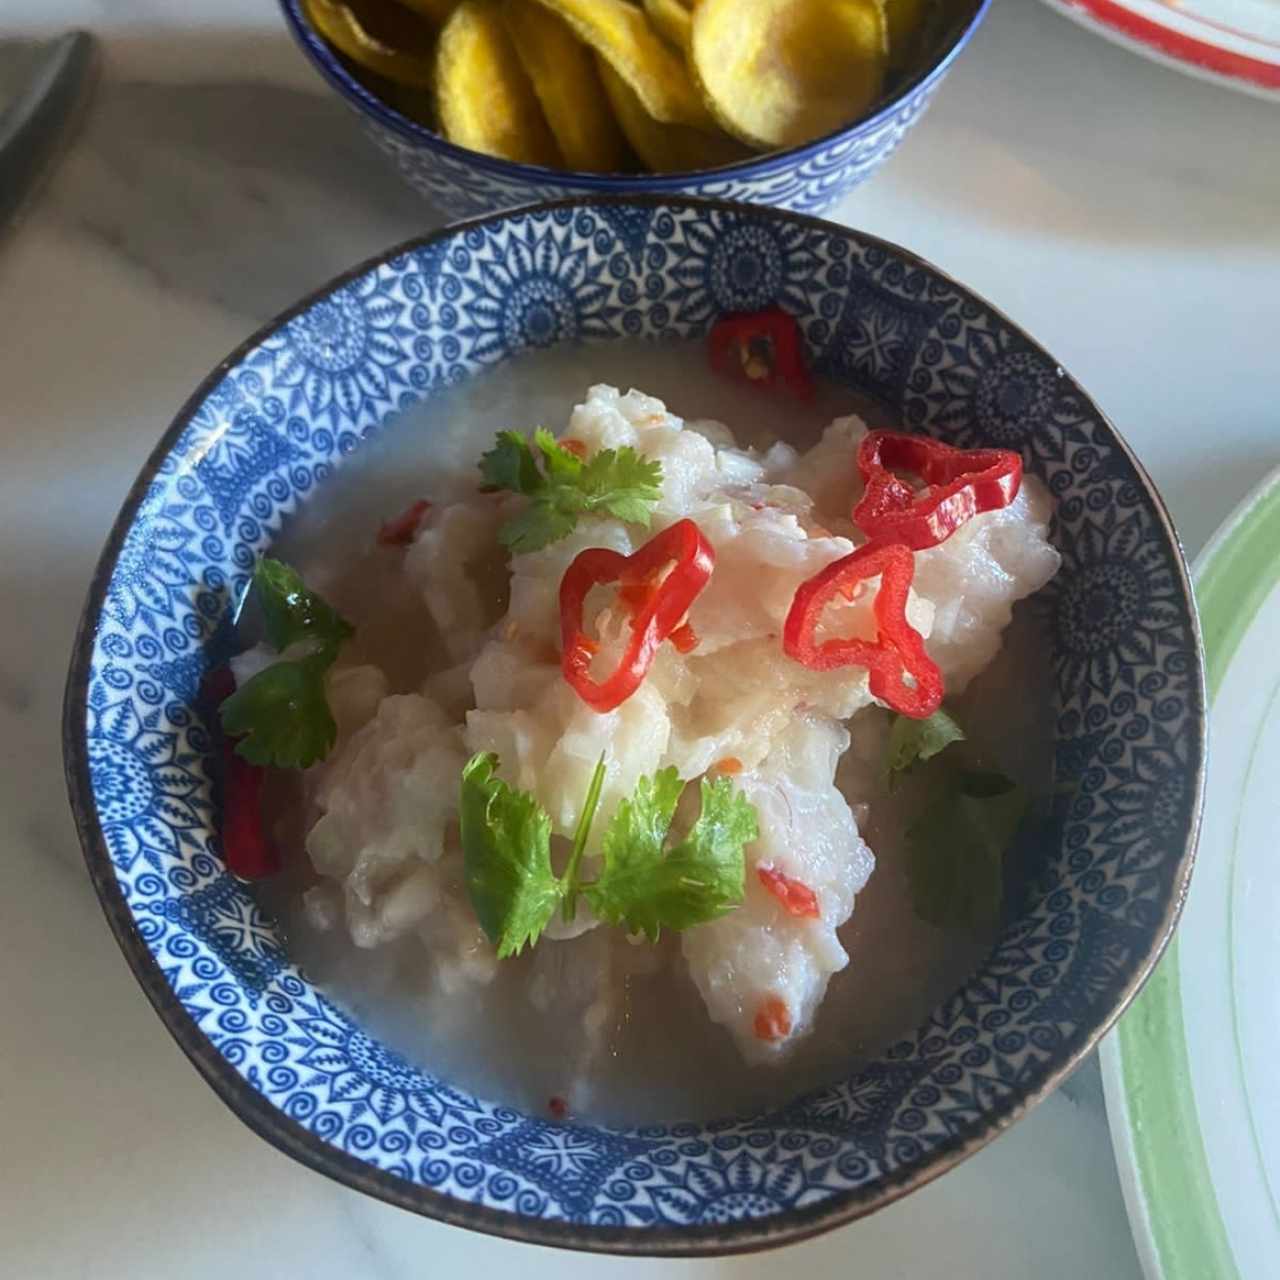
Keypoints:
pixel 1092 196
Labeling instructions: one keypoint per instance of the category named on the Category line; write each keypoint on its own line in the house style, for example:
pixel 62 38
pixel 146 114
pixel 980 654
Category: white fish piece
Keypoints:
pixel 761 970
pixel 977 575
pixel 829 473
pixel 386 835
pixel 355 692
pixel 386 800
pixel 440 563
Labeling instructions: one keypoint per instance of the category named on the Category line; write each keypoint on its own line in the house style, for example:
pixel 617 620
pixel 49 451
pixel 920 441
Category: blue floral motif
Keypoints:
pixel 544 287
pixel 353 1070
pixel 342 359
pixel 747 1184
pixel 721 263
pixel 155 568
pixel 151 804
pixel 1111 945
pixel 1120 608
pixel 273 427
pixel 977 379
pixel 1145 803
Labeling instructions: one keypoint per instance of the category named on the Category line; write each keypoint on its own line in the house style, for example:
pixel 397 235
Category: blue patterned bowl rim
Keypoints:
pixel 330 66
pixel 741 1235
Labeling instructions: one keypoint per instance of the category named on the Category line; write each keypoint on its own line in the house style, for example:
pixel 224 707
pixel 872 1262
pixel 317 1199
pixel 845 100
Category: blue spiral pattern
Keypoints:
pixel 293 407
pixel 807 183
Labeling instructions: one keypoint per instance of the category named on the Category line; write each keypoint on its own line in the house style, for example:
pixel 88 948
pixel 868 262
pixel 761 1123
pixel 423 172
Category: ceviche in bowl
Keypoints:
pixel 641 726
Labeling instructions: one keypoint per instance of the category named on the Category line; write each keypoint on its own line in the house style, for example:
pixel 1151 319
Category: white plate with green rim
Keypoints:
pixel 1191 1072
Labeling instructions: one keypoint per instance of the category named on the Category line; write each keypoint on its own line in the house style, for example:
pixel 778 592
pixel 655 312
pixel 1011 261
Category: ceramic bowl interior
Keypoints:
pixel 282 413
pixel 809 178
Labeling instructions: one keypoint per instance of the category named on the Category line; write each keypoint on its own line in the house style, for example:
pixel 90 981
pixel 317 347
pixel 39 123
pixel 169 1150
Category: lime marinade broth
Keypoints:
pixel 662 1058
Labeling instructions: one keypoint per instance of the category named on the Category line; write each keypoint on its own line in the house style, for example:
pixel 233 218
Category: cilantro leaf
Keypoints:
pixel 616 482
pixel 622 483
pixel 282 716
pixel 537 526
pixel 632 847
pixel 913 742
pixel 561 465
pixel 506 849
pixel 510 465
pixel 956 849
pixel 292 613
pixel 700 879
pixel 506 846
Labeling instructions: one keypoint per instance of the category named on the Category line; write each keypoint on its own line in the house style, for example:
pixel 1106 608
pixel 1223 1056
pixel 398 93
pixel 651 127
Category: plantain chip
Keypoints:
pixel 780 72
pixel 435 11
pixel 563 72
pixel 672 20
pixel 665 148
pixel 483 98
pixel 904 19
pixel 621 34
pixel 382 37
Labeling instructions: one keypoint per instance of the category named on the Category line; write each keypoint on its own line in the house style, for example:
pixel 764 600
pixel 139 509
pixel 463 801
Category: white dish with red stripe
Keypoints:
pixel 1232 42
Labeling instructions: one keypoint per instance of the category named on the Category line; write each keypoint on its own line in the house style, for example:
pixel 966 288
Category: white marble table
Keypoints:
pixel 1127 216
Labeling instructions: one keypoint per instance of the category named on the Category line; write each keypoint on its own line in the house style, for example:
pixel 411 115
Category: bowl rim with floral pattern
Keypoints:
pixel 1132 735
pixel 332 68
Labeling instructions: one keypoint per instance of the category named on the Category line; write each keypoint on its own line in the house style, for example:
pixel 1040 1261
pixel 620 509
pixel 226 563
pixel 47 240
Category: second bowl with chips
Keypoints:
pixel 485 104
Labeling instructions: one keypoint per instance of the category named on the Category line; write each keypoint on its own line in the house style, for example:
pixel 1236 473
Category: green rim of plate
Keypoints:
pixel 1233 577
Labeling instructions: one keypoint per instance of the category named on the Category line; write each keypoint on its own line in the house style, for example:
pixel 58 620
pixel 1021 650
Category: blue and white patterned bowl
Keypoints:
pixel 809 178
pixel 278 416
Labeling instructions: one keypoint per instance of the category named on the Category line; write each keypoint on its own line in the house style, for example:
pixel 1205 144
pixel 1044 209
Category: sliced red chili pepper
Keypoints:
pixel 635 595
pixel 685 639
pixel 795 896
pixel 576 447
pixel 692 559
pixel 765 347
pixel 895 655
pixel 246 848
pixel 401 530
pixel 773 1020
pixel 962 483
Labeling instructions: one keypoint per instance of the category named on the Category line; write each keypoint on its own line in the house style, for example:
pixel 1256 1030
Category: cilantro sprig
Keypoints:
pixel 956 848
pixel 647 888
pixel 956 845
pixel 281 716
pixel 912 742
pixel 642 885
pixel 616 482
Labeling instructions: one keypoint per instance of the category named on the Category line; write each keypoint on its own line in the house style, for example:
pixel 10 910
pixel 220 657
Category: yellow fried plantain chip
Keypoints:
pixel 904 19
pixel 483 98
pixel 671 20
pixel 564 77
pixel 436 11
pixel 382 36
pixel 621 34
pixel 780 72
pixel 665 148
